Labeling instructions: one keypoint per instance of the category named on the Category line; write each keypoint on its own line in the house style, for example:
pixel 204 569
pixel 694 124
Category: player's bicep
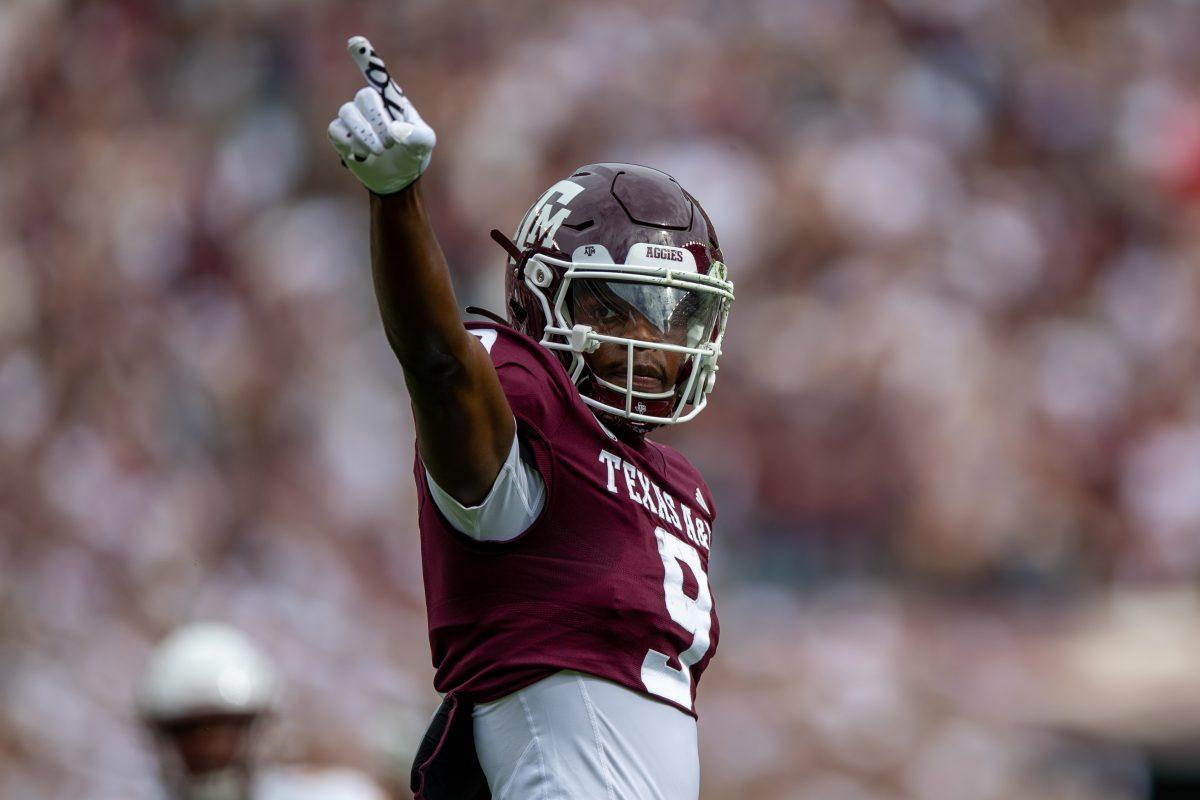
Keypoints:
pixel 465 425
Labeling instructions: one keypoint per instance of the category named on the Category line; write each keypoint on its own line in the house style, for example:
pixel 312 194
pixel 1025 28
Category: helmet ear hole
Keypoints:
pixel 539 274
pixel 518 312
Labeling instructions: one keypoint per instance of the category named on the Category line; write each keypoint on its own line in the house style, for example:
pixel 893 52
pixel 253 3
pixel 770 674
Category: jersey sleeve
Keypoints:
pixel 513 504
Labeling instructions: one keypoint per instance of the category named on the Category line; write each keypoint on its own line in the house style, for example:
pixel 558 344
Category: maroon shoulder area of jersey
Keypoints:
pixel 534 381
pixel 610 580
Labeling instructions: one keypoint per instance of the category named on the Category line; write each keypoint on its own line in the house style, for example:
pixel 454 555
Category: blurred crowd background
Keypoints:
pixel 955 443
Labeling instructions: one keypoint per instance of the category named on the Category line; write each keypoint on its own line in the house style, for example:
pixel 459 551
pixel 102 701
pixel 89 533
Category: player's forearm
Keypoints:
pixel 465 427
pixel 412 284
pixel 464 424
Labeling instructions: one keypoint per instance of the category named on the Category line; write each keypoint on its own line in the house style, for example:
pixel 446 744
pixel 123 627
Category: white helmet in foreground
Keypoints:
pixel 206 669
pixel 203 692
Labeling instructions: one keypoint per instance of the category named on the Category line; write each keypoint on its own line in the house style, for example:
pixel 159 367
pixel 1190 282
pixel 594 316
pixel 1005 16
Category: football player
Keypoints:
pixel 204 698
pixel 565 555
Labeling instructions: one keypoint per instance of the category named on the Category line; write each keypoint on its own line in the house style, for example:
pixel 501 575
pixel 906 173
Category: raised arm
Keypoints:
pixel 465 427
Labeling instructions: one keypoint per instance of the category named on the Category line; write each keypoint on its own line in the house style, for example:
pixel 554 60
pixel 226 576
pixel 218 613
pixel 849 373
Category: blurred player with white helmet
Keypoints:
pixel 205 697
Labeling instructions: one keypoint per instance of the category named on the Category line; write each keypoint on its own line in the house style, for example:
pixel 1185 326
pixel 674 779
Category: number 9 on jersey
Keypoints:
pixel 694 615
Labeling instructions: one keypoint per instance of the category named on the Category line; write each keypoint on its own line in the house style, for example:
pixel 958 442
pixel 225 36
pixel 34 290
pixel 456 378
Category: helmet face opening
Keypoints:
pixel 207 757
pixel 209 742
pixel 645 308
pixel 660 314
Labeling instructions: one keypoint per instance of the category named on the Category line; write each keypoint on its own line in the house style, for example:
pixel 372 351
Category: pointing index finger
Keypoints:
pixel 376 73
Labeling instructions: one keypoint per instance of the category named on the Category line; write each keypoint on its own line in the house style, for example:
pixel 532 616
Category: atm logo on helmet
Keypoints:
pixel 547 215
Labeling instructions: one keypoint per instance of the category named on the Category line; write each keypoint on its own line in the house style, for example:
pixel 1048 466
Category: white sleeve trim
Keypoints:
pixel 513 504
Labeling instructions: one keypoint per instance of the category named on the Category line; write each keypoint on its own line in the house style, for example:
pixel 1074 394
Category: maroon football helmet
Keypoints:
pixel 617 242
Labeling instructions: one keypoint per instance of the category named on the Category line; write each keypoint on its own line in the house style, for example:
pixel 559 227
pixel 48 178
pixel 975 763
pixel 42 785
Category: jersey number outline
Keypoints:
pixel 693 615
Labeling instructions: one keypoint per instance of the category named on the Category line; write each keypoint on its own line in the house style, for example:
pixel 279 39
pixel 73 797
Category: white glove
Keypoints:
pixel 380 136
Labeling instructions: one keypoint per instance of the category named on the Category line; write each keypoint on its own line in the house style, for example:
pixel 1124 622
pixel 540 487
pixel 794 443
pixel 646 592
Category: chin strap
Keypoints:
pixel 508 244
pixel 493 316
pixel 518 314
pixel 623 427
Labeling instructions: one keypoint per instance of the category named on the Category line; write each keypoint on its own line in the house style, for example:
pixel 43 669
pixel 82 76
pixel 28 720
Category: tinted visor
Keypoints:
pixel 660 314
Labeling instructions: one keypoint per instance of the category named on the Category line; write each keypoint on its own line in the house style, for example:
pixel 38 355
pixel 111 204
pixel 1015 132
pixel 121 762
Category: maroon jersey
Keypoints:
pixel 610 580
